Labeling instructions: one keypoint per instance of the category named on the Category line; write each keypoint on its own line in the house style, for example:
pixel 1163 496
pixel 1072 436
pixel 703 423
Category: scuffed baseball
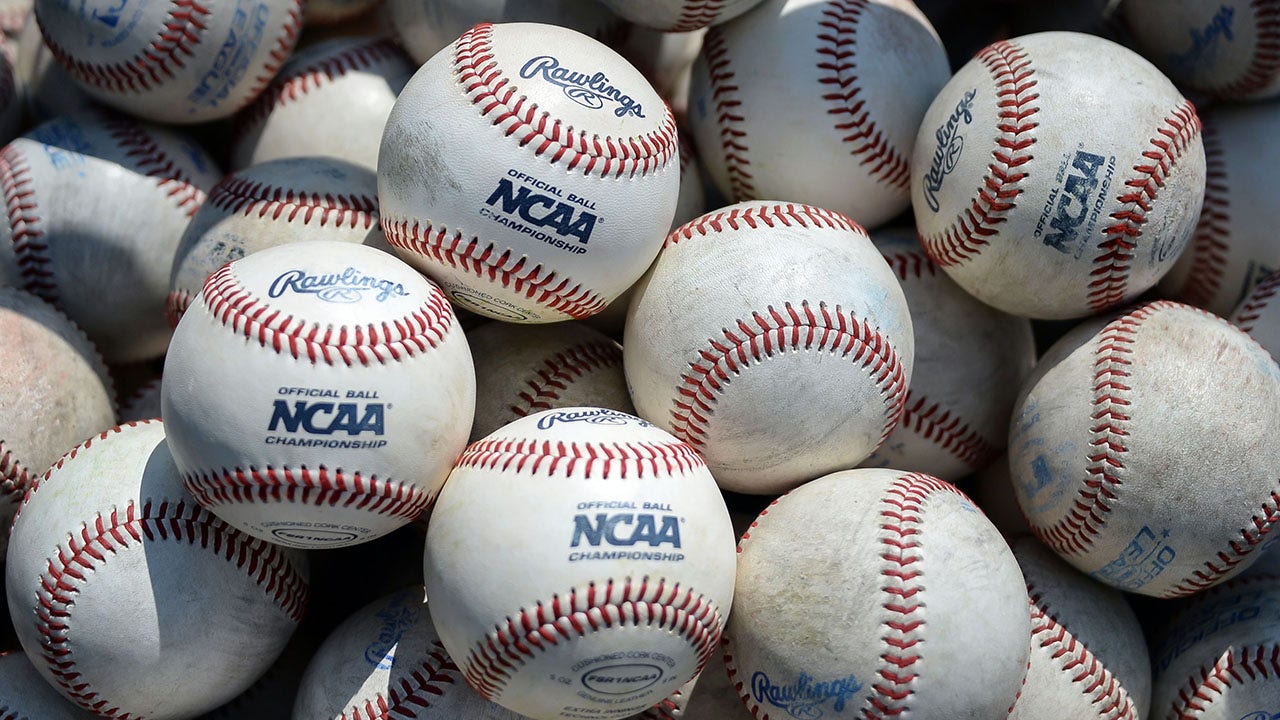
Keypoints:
pixel 817 102
pixel 97 203
pixel 278 202
pixel 109 562
pixel 867 593
pixel 24 695
pixel 1057 175
pixel 521 370
pixel 1142 450
pixel 992 489
pixel 679 15
pixel 330 99
pixel 187 61
pixel 1259 315
pixel 354 392
pixel 531 171
pixel 970 361
pixel 605 600
pixel 775 339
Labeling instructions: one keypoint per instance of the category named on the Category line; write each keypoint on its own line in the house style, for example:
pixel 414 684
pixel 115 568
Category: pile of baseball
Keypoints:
pixel 614 359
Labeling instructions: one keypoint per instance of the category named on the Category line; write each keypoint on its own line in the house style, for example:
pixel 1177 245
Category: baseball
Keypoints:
pixel 1226 48
pixel 679 15
pixel 178 62
pixel 1088 657
pixel 96 206
pixel 1257 315
pixel 331 99
pixel 524 369
pixel 1233 245
pixel 970 360
pixel 907 578
pixel 24 695
pixel 561 178
pixel 335 12
pixel 817 102
pixel 47 90
pixel 1130 421
pixel 775 339
pixel 317 393
pixel 1086 191
pixel 608 597
pixel 275 203
pixel 109 562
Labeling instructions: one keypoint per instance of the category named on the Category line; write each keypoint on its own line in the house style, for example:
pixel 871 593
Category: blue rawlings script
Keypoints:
pixel 950 145
pixel 1261 715
pixel 591 91
pixel 805 699
pixel 349 286
pixel 594 416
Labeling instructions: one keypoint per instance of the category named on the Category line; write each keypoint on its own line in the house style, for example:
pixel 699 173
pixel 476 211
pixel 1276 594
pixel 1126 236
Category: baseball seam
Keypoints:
pixel 1252 309
pixel 176 304
pixel 387 341
pixel 486 262
pixel 910 264
pixel 631 460
pixel 1111 272
pixel 696 14
pixel 1226 561
pixel 1235 667
pixel 14 478
pixel 837 55
pixel 31 252
pixel 765 216
pixel 149 159
pixel 501 102
pixel 999 190
pixel 306 486
pixel 946 429
pixel 580 612
pixel 408 696
pixel 285 43
pixel 729 118
pixel 1265 62
pixel 560 370
pixel 236 194
pixel 1075 661
pixel 1209 244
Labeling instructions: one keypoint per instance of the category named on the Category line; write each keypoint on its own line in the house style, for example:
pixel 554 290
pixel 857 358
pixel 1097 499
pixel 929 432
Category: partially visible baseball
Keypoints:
pixel 865 594
pixel 142 404
pixel 1226 48
pixel 775 339
pixel 714 697
pixel 317 13
pixel 317 394
pixel 817 102
pixel 24 695
pixel 1088 656
pixel 330 99
pixel 1234 245
pixel 47 90
pixel 110 561
pixel 992 489
pixel 666 58
pixel 521 370
pixel 275 203
pixel 679 15
pixel 97 203
pixel 531 171
pixel 970 361
pixel 179 62
pixel 1057 175
pixel 1259 314
pixel 1142 449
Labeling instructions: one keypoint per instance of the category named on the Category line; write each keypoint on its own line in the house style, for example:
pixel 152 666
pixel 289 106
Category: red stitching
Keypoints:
pixel 14 477
pixel 1105 694
pixel 579 612
pixel 729 118
pixel 488 263
pixel 1265 63
pixel 501 102
pixel 1237 550
pixel 236 194
pixel 1001 186
pixel 304 486
pixel 1111 273
pixel 830 330
pixel 633 460
pixel 947 430
pixel 175 305
pixel 909 264
pixel 562 369
pixel 837 54
pixel 757 216
pixel 410 693
pixel 1236 667
pixel 280 53
pixel 697 14
pixel 380 342
pixel 1253 307
pixel 1209 244
pixel 149 159
pixel 167 52
pixel 29 246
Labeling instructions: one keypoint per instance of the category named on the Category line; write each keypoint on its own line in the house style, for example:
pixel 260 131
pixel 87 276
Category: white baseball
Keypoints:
pixel 775 339
pixel 529 170
pixel 970 360
pixel 1219 658
pixel 353 394
pixel 331 99
pixel 131 599
pixel 47 90
pixel 1225 48
pixel 1259 314
pixel 185 61
pixel 1057 175
pixel 1088 657
pixel 24 695
pixel 817 102
pixel 604 586
pixel 275 203
pixel 1141 449
pixel 1233 246
pixel 679 15
pixel 524 369
pixel 992 489
pixel 867 593
pixel 96 206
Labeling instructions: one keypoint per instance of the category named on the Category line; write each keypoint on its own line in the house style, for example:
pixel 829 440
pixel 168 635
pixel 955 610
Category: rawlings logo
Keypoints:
pixel 396 619
pixel 590 91
pixel 595 416
pixel 804 699
pixel 950 145
pixel 349 286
